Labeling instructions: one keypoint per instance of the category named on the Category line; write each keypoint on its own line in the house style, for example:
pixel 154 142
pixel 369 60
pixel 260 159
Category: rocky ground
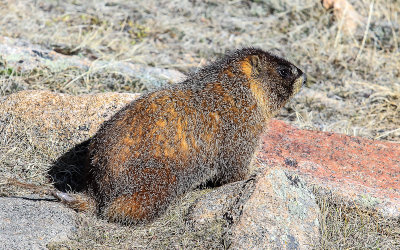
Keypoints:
pixel 88 47
pixel 307 189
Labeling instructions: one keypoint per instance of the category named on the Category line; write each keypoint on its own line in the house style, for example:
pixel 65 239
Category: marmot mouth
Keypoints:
pixel 298 83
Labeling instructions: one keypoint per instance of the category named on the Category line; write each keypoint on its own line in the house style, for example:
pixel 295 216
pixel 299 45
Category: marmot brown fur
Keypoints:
pixel 205 129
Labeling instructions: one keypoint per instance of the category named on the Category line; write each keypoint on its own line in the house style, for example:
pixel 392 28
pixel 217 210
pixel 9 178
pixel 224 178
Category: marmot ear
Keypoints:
pixel 255 63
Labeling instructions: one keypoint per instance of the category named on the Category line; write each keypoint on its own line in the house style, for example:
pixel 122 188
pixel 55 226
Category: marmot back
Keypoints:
pixel 171 140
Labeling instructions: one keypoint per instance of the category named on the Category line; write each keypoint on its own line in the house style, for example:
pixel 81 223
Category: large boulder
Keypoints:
pixel 359 172
pixel 272 209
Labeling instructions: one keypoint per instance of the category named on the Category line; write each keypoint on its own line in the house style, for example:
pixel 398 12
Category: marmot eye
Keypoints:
pixel 284 72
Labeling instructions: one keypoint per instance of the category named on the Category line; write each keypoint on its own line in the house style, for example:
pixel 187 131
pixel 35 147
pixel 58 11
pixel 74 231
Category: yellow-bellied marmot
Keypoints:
pixel 173 139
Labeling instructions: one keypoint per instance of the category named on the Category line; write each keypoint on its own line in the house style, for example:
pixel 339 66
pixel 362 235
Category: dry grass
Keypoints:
pixel 72 80
pixel 344 227
pixel 171 231
pixel 353 87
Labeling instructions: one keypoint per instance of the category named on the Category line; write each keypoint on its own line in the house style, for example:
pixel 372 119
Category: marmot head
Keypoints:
pixel 273 80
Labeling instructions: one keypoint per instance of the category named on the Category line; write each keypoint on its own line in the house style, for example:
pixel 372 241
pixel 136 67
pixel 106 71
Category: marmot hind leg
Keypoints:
pixel 137 208
pixel 158 190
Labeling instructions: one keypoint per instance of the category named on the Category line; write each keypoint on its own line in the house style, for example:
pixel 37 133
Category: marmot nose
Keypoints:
pixel 304 79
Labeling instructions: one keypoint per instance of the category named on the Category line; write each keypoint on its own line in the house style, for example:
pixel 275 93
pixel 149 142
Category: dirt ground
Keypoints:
pixel 353 80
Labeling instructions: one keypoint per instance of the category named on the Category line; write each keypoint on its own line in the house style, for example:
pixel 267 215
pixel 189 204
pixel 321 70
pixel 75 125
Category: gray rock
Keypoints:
pixel 31 223
pixel 280 214
pixel 272 210
pixel 25 57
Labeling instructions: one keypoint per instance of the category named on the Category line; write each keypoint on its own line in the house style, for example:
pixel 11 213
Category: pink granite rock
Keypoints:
pixel 356 170
pixel 37 127
pixel 47 115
